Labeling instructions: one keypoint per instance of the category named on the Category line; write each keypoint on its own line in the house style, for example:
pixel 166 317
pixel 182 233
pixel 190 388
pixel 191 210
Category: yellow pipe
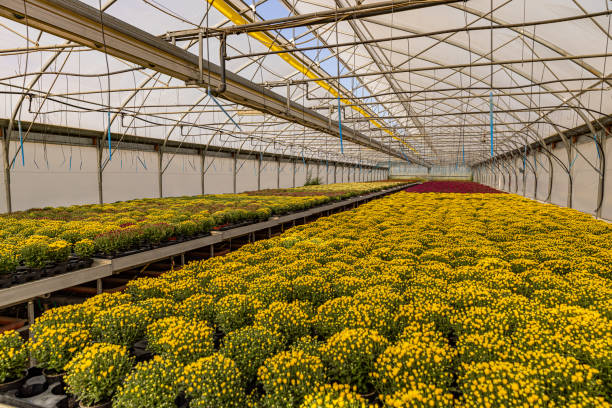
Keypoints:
pixel 269 42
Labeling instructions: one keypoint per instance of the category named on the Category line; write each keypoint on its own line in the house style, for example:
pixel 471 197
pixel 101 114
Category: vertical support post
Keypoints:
pixel 278 172
pixel 160 174
pixel 98 142
pixel 234 171
pixel 288 96
pixel 318 170
pixel 259 173
pixel 570 152
pixel 307 174
pixel 535 176
pixel 525 177
pixel 183 259
pixel 293 172
pixel 30 315
pixel 335 173
pixel 326 172
pixel 201 56
pixel 212 250
pixel 203 171
pixel 601 176
pixel 7 170
pixel 99 287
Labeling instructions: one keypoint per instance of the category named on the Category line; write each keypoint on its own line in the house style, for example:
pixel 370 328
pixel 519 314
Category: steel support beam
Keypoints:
pixel 259 173
pixel 322 17
pixel 98 142
pixel 160 172
pixel 7 170
pixel 234 171
pixel 203 170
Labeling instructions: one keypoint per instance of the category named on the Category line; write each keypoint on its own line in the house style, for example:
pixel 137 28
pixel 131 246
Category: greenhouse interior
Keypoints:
pixel 306 203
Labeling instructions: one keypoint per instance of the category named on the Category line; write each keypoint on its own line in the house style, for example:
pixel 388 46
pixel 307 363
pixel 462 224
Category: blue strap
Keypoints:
pixel 219 105
pixel 463 152
pixel 70 163
pixel 21 143
pixel 340 125
pixel 491 119
pixel 524 156
pixel 141 162
pixel 572 163
pixel 303 160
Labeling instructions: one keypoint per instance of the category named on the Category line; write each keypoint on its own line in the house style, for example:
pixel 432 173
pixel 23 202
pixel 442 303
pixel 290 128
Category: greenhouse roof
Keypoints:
pixel 433 82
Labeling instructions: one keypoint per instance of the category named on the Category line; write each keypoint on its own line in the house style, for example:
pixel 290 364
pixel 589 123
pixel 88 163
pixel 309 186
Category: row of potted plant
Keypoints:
pixel 42 256
pixel 43 242
pixel 340 191
pixel 451 186
pixel 419 300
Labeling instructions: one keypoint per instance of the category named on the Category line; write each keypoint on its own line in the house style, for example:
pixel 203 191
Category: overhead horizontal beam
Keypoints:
pixel 80 23
pixel 177 35
pixel 316 18
pixel 451 66
pixel 483 112
pixel 456 89
pixel 64 135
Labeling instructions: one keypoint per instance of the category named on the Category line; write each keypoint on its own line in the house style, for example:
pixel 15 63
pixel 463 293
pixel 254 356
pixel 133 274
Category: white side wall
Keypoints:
pixel 49 177
pixel 218 176
pixel 585 178
pixel 268 174
pixel 60 175
pixel 182 176
pixel 246 177
pixel 286 178
pixel 606 209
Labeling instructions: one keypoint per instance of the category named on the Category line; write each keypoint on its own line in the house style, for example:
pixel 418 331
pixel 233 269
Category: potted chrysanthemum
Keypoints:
pixel 94 374
pixel 13 360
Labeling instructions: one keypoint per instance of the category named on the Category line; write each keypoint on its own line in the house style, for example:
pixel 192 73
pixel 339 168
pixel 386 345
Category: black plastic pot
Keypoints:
pixel 12 384
pixel 107 404
pixel 63 267
pixel 140 351
pixel 6 280
pixel 55 270
pixel 21 276
pixel 35 274
pixel 53 376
